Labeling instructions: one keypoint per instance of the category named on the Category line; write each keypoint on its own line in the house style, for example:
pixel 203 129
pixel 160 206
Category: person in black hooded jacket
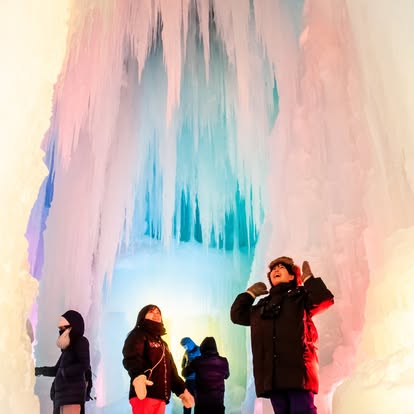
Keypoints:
pixel 210 370
pixel 73 377
pixel 151 367
pixel 283 335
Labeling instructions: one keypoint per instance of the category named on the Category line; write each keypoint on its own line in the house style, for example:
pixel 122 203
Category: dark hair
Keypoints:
pixel 143 312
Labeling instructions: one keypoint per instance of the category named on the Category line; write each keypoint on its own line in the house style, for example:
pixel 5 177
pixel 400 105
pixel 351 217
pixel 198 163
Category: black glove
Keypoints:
pixel 257 289
pixel 38 371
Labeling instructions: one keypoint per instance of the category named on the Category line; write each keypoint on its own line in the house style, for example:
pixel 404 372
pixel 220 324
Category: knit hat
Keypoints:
pixel 290 266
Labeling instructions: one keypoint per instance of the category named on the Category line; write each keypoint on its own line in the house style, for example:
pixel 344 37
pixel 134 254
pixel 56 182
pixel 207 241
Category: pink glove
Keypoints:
pixel 140 385
pixel 187 399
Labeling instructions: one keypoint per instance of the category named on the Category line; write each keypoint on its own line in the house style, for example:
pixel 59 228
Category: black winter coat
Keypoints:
pixel 142 351
pixel 72 371
pixel 283 336
pixel 210 370
pixel 70 382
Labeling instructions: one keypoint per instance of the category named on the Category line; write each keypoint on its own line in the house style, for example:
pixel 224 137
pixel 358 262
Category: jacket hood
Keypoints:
pixel 208 346
pixel 76 322
pixel 188 343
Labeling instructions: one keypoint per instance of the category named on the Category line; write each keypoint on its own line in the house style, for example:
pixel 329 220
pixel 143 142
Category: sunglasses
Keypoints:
pixel 63 329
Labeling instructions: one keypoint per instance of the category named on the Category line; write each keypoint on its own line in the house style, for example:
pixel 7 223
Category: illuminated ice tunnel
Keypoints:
pixel 187 144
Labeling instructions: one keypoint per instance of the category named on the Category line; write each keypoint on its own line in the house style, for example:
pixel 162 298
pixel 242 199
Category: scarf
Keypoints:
pixel 282 288
pixel 153 328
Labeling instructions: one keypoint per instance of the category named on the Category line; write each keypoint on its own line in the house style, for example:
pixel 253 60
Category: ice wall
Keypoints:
pixel 33 46
pixel 383 377
pixel 318 174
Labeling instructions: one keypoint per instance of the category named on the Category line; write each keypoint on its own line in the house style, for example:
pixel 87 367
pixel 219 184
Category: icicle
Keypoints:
pixel 203 10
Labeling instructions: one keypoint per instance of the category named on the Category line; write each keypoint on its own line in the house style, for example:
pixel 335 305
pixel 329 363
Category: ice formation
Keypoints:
pixel 33 46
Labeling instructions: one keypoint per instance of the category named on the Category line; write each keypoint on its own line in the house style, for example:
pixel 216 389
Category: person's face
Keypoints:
pixel 279 274
pixel 154 314
pixel 63 328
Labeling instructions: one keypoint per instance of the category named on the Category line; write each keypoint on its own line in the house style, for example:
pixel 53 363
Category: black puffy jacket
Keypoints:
pixel 210 370
pixel 141 352
pixel 283 336
pixel 145 353
pixel 72 371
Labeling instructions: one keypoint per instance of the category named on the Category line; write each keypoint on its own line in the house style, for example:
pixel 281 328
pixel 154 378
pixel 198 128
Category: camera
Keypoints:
pixel 270 311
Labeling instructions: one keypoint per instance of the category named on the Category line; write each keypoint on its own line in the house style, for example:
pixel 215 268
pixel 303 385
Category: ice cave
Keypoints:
pixel 165 151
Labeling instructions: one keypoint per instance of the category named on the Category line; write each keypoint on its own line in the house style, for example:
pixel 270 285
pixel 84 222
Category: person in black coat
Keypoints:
pixel 151 367
pixel 192 350
pixel 73 377
pixel 210 370
pixel 283 335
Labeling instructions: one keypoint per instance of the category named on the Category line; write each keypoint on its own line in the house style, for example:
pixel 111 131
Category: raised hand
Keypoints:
pixel 306 271
pixel 258 289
